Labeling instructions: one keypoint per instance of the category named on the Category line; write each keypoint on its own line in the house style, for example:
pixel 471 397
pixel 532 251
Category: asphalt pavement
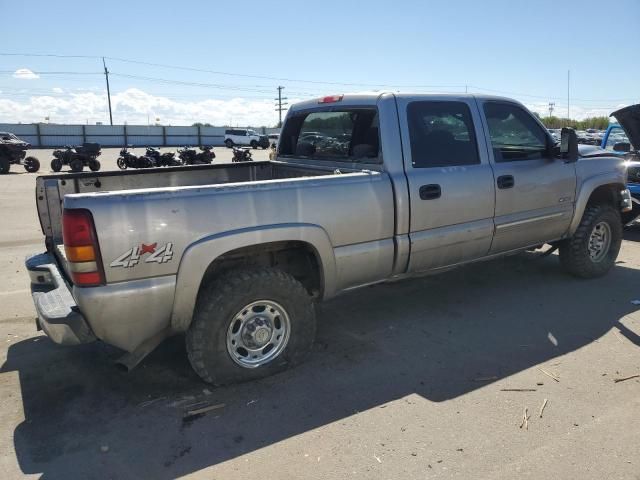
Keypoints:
pixel 424 378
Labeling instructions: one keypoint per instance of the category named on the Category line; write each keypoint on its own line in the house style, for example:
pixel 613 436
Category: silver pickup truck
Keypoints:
pixel 363 189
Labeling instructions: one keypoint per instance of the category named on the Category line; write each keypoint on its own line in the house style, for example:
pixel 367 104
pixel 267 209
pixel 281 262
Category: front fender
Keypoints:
pixel 587 188
pixel 199 255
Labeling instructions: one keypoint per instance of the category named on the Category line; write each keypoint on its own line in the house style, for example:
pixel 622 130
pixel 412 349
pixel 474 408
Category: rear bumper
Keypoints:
pixel 58 314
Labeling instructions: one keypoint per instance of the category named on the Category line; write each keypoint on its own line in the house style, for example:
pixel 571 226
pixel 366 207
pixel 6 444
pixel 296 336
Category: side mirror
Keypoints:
pixel 622 147
pixel 569 144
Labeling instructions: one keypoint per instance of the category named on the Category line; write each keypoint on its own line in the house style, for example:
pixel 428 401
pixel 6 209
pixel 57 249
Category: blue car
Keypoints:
pixel 623 139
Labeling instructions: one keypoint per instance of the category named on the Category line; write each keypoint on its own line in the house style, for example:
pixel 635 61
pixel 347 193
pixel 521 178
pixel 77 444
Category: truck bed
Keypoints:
pixel 51 189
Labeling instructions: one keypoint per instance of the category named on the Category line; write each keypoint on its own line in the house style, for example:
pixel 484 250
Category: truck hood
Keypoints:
pixel 629 120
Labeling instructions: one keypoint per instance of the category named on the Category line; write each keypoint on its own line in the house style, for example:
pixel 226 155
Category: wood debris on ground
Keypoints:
pixel 525 419
pixel 485 379
pixel 618 380
pixel 549 374
pixel 201 410
pixel 518 390
pixel 544 404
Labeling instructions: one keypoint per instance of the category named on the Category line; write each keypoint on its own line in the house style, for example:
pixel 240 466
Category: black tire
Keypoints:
pixel 229 143
pixel 31 164
pixel 5 165
pixel 56 164
pixel 122 163
pixel 574 252
pixel 217 307
pixel 94 165
pixel 76 165
pixel 254 144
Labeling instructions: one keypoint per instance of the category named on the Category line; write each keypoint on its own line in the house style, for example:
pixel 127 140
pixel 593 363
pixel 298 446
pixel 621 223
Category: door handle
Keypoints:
pixel 430 192
pixel 506 181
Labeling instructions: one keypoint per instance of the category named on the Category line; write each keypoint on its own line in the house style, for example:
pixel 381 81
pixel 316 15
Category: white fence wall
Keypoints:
pixel 58 135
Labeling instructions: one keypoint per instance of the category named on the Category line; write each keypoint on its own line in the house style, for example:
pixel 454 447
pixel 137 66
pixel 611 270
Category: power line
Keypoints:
pixel 53 73
pixel 283 79
pixel 5 54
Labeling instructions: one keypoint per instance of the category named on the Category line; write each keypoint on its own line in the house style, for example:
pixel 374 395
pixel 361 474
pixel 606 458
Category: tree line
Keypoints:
pixel 599 123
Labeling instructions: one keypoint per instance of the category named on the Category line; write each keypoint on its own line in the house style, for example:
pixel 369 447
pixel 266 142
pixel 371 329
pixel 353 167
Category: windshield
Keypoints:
pixel 616 135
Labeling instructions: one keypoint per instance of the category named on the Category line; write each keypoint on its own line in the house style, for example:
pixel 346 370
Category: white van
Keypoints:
pixel 244 136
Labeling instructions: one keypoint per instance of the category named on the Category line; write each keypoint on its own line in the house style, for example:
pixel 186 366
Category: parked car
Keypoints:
pixel 241 136
pixel 273 138
pixel 13 151
pixel 623 139
pixel 237 255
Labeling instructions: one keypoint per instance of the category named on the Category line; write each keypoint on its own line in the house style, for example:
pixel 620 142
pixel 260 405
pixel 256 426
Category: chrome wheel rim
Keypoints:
pixel 599 242
pixel 258 333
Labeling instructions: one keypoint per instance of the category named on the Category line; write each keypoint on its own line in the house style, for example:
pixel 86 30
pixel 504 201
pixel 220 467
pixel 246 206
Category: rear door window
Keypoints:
pixel 441 134
pixel 346 135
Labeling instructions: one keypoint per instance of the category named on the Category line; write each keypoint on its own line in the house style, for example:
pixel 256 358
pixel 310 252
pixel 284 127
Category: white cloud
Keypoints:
pixel 135 106
pixel 25 74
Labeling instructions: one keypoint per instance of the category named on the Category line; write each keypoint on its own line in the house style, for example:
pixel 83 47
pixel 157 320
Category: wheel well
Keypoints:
pixel 299 259
pixel 606 194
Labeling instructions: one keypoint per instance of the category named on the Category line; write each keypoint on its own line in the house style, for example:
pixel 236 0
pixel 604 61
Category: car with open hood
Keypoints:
pixel 623 139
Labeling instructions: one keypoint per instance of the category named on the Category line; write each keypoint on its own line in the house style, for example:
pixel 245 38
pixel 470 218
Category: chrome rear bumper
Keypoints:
pixel 58 314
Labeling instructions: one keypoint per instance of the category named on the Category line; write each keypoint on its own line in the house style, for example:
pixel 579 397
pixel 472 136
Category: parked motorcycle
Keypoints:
pixel 189 156
pixel 129 160
pixel 85 155
pixel 167 159
pixel 241 155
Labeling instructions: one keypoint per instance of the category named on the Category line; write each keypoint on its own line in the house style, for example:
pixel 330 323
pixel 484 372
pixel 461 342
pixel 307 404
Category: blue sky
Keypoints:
pixel 521 49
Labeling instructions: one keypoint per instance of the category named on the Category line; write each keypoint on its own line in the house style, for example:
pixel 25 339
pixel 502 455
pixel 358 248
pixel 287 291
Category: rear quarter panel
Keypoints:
pixel 351 208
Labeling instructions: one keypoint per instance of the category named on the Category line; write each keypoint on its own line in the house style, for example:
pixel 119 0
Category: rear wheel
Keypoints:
pixel 31 164
pixel 56 164
pixel 5 165
pixel 594 247
pixel 122 163
pixel 94 165
pixel 254 144
pixel 250 324
pixel 229 143
pixel 76 165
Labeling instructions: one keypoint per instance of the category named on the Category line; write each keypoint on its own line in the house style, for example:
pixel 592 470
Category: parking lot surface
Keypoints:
pixel 425 378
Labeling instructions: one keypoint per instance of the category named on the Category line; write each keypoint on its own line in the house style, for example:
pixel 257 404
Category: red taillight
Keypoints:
pixel 77 228
pixel 331 99
pixel 81 247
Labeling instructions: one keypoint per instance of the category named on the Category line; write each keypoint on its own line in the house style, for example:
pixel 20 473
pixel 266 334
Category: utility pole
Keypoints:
pixel 106 76
pixel 551 108
pixel 280 106
pixel 568 97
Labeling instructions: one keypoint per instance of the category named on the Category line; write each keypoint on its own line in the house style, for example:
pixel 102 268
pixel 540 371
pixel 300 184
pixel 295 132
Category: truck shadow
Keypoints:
pixel 437 337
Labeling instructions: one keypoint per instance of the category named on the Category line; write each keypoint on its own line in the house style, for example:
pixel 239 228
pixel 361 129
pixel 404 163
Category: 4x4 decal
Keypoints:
pixel 133 256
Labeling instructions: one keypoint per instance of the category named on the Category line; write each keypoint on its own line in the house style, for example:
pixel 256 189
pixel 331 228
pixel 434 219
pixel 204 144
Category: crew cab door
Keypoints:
pixel 535 192
pixel 451 185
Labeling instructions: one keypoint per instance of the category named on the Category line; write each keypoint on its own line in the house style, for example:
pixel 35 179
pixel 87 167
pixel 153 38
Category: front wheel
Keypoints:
pixel 5 165
pixel 229 143
pixel 94 165
pixel 594 247
pixel 250 324
pixel 254 144
pixel 122 163
pixel 56 164
pixel 76 165
pixel 31 164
